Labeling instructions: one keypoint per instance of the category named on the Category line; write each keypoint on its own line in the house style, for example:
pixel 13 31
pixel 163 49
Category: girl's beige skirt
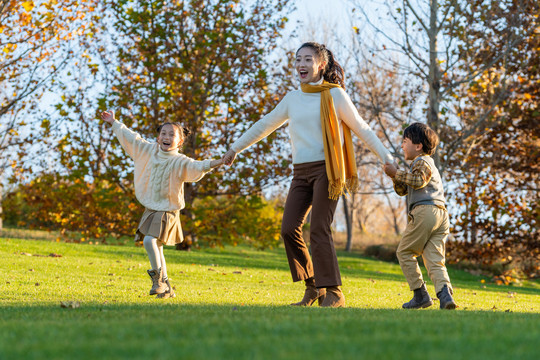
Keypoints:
pixel 163 225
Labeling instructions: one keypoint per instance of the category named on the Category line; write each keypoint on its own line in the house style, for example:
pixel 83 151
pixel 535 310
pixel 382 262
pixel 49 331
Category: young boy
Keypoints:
pixel 428 225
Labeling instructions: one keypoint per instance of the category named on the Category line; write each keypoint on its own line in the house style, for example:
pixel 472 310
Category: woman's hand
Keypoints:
pixel 108 116
pixel 229 157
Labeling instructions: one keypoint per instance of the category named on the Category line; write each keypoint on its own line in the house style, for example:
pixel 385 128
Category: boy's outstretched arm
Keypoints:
pixel 399 187
pixel 390 169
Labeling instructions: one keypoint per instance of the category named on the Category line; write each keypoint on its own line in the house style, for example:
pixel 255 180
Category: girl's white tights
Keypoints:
pixel 155 254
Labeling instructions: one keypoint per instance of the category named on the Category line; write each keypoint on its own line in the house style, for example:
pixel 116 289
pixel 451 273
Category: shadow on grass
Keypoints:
pixel 231 331
pixel 145 310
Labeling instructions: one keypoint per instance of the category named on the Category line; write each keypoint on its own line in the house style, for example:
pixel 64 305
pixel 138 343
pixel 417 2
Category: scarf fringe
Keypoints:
pixel 353 184
pixel 336 188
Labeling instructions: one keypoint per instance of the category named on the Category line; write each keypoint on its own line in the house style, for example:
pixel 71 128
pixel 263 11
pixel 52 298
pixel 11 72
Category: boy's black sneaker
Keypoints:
pixel 420 300
pixel 445 298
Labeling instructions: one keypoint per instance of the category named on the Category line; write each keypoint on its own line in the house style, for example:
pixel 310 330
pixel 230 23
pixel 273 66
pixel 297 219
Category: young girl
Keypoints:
pixel 321 117
pixel 160 173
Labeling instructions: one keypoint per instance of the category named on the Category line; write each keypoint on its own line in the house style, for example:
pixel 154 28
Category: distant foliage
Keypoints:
pixel 100 209
pixel 498 170
pixel 97 210
pixel 233 219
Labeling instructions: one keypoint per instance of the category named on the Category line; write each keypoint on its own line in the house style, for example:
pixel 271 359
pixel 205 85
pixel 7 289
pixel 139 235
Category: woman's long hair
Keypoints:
pixel 333 72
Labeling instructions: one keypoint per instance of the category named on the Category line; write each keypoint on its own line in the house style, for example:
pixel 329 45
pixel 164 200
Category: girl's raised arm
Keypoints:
pixel 108 117
pixel 131 141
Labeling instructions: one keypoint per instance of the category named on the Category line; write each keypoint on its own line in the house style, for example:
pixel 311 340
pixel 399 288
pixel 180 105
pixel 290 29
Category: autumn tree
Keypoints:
pixel 33 48
pixel 421 39
pixel 376 91
pixel 201 63
pixel 463 60
pixel 497 168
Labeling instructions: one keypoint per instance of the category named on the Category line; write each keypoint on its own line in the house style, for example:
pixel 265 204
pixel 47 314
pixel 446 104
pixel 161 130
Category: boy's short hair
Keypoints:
pixel 420 133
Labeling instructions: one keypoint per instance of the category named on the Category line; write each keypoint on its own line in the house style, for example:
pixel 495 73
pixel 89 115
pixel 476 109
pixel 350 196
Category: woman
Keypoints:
pixel 321 117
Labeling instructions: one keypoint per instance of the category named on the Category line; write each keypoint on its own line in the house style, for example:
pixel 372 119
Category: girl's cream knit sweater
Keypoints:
pixel 159 175
pixel 303 111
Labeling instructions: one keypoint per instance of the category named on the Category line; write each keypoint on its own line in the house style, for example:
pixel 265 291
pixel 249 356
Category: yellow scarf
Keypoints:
pixel 340 162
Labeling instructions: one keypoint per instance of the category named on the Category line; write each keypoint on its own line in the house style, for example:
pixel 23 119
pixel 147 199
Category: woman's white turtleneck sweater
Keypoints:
pixel 159 175
pixel 303 110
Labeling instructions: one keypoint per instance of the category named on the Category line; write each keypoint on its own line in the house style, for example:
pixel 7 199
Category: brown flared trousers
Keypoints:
pixel 309 189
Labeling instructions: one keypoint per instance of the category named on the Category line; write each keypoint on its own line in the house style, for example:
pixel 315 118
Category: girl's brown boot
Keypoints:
pixel 169 293
pixel 334 297
pixel 158 286
pixel 311 294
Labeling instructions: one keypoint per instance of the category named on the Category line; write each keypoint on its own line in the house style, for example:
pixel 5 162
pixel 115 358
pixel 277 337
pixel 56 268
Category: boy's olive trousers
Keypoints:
pixel 425 235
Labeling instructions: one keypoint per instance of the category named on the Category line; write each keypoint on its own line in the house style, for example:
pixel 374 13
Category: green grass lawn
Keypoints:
pixel 233 304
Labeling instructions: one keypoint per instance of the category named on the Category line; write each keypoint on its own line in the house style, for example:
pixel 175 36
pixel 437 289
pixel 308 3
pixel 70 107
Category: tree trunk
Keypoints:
pixel 1 210
pixel 434 80
pixel 395 215
pixel 348 222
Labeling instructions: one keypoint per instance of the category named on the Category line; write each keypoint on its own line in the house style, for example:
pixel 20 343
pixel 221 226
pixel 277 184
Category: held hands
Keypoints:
pixel 108 116
pixel 216 163
pixel 390 169
pixel 229 157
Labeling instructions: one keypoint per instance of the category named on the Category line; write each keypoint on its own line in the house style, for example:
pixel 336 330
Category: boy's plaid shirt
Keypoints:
pixel 417 178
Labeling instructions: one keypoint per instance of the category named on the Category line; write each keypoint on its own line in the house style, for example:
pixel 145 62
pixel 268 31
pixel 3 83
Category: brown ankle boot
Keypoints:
pixel 311 294
pixel 158 286
pixel 334 297
pixel 169 293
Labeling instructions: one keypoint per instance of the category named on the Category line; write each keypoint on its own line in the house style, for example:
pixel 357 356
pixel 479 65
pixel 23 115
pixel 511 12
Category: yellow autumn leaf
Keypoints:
pixel 28 5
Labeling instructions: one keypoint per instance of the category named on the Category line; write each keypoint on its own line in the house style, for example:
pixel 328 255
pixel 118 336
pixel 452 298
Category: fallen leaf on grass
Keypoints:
pixel 55 255
pixel 210 269
pixel 70 304
pixel 237 272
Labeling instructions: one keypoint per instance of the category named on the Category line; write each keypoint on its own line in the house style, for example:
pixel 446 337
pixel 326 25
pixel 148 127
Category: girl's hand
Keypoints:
pixel 390 169
pixel 216 163
pixel 229 157
pixel 107 116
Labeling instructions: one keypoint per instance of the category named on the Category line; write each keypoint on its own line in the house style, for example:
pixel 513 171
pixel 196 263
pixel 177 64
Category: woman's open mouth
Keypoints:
pixel 303 74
